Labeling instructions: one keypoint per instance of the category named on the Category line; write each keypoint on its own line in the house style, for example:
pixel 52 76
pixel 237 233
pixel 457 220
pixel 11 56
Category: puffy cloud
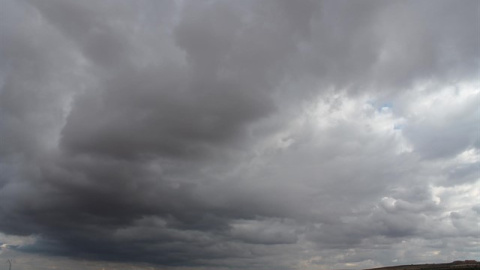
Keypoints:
pixel 273 134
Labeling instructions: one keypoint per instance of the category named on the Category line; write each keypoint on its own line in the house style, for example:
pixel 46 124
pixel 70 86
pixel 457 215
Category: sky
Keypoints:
pixel 216 134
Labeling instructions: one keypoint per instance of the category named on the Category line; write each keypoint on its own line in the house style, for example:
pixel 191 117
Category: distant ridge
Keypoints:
pixel 467 264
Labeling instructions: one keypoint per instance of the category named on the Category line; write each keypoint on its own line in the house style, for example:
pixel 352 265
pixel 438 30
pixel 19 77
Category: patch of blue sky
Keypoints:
pixel 385 106
pixel 398 126
pixel 380 106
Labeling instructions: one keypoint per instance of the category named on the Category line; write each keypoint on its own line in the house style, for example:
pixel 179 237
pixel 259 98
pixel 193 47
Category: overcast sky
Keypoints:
pixel 238 134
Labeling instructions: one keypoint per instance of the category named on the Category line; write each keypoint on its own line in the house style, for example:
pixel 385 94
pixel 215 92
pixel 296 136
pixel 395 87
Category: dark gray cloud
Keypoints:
pixel 259 135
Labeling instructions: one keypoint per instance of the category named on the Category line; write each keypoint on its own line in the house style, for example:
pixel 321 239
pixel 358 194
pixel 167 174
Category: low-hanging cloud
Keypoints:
pixel 272 134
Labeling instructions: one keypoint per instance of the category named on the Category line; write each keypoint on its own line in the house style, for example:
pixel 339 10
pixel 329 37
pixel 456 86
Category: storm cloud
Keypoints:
pixel 239 134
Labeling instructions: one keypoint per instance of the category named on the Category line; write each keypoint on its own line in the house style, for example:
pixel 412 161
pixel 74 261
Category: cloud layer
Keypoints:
pixel 265 135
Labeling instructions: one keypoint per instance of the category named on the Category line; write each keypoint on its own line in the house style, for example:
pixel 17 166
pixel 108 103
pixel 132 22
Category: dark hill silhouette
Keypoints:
pixel 455 265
